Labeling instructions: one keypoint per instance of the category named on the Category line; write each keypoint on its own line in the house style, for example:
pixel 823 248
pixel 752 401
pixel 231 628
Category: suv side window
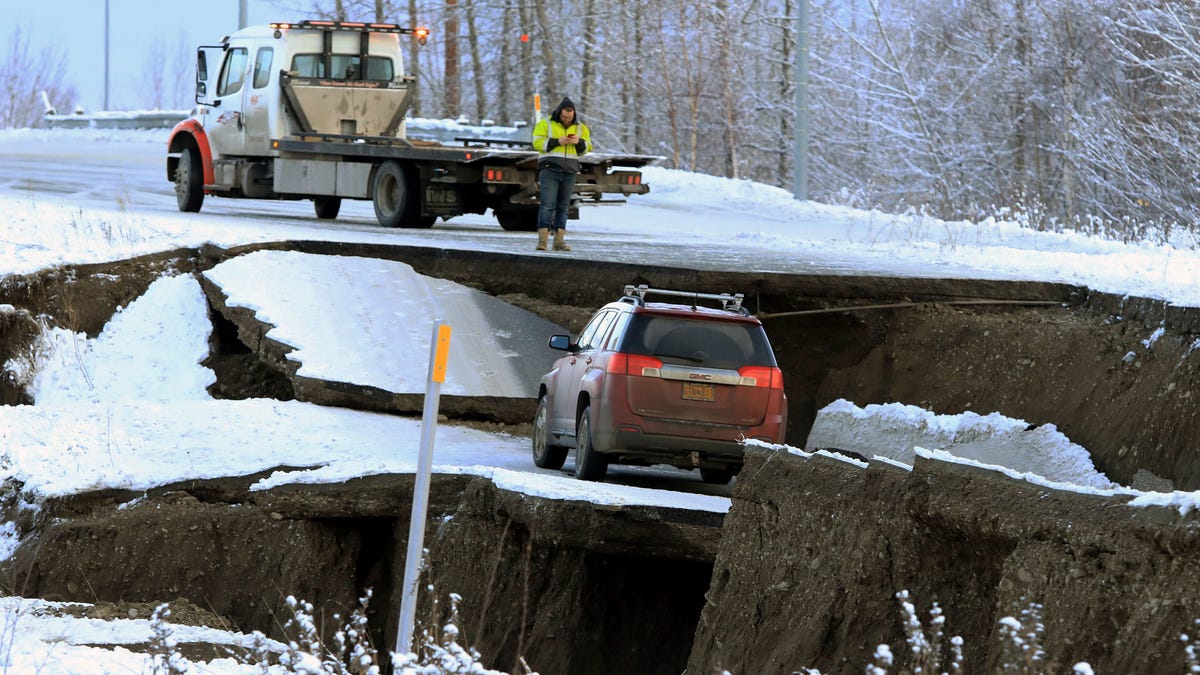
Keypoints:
pixel 235 71
pixel 618 331
pixel 595 330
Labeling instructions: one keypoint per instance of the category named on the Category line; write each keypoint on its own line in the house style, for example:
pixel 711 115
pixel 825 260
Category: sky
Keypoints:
pixel 105 406
pixel 134 27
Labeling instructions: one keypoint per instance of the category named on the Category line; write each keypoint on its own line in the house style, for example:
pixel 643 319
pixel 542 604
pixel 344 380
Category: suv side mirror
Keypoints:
pixel 560 342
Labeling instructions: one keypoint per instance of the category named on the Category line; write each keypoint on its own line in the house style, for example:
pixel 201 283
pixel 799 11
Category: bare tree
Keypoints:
pixel 168 75
pixel 478 72
pixel 451 101
pixel 24 75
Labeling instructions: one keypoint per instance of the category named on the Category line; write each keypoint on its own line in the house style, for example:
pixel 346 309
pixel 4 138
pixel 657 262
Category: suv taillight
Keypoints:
pixel 761 376
pixel 634 364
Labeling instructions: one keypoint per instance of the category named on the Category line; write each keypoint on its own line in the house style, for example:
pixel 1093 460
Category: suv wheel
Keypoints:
pixel 589 464
pixel 545 455
pixel 716 476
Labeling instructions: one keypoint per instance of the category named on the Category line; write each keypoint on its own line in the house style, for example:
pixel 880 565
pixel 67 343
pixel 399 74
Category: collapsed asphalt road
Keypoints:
pixel 545 591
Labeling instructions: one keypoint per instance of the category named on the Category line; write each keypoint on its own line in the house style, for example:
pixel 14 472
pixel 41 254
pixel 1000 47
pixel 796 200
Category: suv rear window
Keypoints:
pixel 712 344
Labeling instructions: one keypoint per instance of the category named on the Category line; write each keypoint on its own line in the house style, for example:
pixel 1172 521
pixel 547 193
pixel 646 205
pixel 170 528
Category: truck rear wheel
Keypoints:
pixel 391 194
pixel 327 207
pixel 189 181
pixel 397 198
pixel 518 220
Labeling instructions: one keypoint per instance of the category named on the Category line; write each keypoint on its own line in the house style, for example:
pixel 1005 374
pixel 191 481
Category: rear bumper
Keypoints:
pixel 629 442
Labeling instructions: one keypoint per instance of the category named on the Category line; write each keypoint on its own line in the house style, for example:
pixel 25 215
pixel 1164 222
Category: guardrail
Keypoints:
pixel 148 119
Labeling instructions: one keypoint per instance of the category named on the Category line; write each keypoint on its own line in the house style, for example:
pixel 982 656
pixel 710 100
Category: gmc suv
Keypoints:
pixel 657 383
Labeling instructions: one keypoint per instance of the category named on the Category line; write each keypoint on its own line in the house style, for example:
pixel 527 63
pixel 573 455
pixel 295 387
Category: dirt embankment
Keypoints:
pixel 814 550
pixel 801 572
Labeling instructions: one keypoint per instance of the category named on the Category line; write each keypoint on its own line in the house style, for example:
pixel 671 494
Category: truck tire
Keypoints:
pixel 716 476
pixel 189 181
pixel 327 207
pixel 518 220
pixel 391 194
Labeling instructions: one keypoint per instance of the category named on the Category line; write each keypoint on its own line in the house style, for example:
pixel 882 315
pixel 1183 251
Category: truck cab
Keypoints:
pixel 250 88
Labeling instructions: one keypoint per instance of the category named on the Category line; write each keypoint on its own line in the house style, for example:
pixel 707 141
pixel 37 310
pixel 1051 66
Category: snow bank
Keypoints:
pixel 895 431
pixel 149 351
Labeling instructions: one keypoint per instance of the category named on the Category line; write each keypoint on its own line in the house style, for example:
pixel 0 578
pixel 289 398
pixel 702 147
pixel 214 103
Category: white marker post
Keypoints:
pixel 439 352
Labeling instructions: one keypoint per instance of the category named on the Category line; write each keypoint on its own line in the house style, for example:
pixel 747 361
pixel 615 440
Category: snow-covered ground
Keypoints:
pixel 105 406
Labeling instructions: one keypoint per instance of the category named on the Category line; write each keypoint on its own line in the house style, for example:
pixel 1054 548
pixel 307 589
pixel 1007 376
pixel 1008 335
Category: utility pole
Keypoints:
pixel 800 175
pixel 106 54
pixel 241 14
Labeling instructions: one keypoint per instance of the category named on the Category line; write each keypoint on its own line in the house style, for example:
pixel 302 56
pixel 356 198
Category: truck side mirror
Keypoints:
pixel 560 342
pixel 202 74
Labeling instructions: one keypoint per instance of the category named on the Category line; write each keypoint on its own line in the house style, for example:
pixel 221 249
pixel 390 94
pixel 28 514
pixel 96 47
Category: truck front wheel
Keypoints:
pixel 189 181
pixel 327 207
pixel 391 194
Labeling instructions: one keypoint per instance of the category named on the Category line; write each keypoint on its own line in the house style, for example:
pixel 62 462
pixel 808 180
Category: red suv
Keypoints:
pixel 656 383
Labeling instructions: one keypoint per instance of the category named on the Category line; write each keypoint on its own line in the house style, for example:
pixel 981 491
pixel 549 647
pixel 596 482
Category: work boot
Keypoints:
pixel 543 237
pixel 559 244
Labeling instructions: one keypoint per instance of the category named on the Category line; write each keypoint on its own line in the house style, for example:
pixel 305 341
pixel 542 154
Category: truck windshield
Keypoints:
pixel 344 67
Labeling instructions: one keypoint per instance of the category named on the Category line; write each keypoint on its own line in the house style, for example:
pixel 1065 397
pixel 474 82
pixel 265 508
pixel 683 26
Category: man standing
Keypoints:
pixel 559 139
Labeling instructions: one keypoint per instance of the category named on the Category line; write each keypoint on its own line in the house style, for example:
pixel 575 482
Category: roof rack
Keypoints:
pixel 729 301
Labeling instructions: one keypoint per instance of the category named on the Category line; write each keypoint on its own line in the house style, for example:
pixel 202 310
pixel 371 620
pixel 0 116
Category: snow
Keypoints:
pixel 105 406
pixel 378 306
pixel 898 431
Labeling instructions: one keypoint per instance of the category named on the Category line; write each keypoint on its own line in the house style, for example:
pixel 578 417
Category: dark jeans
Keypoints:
pixel 555 198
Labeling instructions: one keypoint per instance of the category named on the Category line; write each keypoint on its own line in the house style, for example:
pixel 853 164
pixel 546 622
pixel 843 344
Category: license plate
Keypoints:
pixel 699 391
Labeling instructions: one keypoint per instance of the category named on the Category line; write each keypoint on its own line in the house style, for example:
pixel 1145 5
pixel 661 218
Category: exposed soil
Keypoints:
pixel 801 572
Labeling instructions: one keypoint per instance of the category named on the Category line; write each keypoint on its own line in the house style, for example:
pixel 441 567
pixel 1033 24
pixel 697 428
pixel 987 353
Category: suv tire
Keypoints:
pixel 545 455
pixel 589 464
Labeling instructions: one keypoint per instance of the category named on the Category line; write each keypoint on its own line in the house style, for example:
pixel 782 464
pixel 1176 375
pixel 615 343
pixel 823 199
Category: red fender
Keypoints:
pixel 193 128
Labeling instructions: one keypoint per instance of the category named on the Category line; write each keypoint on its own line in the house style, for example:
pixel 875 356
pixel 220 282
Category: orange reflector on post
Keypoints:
pixel 441 355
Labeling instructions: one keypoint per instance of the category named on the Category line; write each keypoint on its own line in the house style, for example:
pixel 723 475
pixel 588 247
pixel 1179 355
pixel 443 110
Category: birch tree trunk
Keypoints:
pixel 552 33
pixel 414 63
pixel 478 70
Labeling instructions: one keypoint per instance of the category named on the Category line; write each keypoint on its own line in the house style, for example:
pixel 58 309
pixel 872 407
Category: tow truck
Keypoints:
pixel 317 110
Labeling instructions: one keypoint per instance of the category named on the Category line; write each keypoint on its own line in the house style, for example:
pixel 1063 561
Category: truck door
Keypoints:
pixel 225 121
pixel 256 109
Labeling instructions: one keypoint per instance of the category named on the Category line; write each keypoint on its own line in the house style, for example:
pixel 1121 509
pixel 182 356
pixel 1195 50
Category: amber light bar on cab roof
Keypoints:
pixel 351 25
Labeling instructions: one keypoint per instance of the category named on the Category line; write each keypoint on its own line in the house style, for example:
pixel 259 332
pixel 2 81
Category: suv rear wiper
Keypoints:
pixel 693 359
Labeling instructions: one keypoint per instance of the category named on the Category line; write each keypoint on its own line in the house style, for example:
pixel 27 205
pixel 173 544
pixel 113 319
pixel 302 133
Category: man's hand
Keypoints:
pixel 569 139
